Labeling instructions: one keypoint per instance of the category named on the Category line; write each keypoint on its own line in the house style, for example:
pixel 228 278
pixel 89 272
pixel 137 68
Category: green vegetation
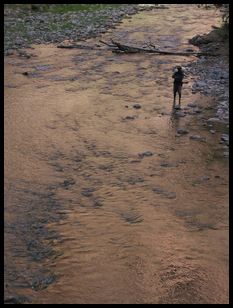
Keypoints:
pixel 224 8
pixel 63 8
pixel 25 23
pixel 224 31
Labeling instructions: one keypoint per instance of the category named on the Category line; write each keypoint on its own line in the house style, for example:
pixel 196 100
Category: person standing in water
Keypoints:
pixel 178 76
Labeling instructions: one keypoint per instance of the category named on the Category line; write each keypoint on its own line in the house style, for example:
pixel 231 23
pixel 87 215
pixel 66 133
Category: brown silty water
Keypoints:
pixel 89 218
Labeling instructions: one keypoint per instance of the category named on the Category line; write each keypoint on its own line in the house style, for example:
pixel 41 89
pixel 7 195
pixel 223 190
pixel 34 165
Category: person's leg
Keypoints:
pixel 174 100
pixel 174 94
pixel 179 92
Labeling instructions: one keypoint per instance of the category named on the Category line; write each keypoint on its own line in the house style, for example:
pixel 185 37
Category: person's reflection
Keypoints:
pixel 175 117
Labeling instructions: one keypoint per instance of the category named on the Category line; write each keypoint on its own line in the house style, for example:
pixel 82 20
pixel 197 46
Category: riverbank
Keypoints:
pixel 213 79
pixel 24 27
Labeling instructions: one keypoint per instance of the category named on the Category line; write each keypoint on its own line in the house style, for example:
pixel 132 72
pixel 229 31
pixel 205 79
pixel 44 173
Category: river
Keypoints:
pixel 104 201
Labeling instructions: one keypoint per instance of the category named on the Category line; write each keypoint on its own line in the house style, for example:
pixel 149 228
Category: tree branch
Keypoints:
pixel 123 48
pixel 132 49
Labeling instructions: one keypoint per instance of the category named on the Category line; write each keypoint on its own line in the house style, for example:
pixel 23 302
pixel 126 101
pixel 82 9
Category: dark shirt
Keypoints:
pixel 178 77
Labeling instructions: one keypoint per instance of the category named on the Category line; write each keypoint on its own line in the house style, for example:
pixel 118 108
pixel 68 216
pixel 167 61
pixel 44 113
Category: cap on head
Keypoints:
pixel 179 67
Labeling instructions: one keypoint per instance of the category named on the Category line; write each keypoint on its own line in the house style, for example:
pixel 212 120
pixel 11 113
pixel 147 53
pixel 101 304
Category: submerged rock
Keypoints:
pixel 137 106
pixel 129 118
pixel 225 137
pixel 180 114
pixel 68 183
pixel 88 192
pixel 197 110
pixel 160 191
pixel 213 120
pixel 168 165
pixel 145 154
pixel 192 105
pixel 197 137
pixel 41 283
pixel 16 300
pixel 182 131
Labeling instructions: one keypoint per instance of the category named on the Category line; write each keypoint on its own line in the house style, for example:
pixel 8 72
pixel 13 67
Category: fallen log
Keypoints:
pixel 105 43
pixel 123 48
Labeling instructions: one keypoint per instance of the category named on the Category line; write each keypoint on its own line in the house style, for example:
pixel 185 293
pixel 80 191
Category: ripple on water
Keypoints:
pixel 92 207
pixel 132 218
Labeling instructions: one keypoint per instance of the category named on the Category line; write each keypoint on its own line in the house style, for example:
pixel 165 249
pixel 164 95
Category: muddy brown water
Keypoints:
pixel 89 218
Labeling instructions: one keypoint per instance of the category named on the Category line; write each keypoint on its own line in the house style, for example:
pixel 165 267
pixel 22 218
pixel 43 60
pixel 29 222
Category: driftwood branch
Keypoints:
pixel 123 48
pixel 105 43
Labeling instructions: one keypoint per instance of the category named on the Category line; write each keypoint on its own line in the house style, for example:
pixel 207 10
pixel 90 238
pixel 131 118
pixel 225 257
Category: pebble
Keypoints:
pixel 9 52
pixel 182 131
pixel 67 183
pixel 213 120
pixel 137 106
pixel 145 154
pixel 193 105
pixel 180 114
pixel 129 118
pixel 197 137
pixel 168 165
pixel 225 137
pixel 197 110
pixel 87 192
pixel 205 178
pixel 97 204
pixel 160 191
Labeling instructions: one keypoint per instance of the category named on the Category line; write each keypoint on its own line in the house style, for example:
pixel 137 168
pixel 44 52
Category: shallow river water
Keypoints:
pixel 104 202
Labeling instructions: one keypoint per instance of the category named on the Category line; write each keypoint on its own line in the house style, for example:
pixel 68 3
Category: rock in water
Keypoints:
pixel 180 114
pixel 182 131
pixel 225 137
pixel 137 106
pixel 129 117
pixel 145 154
pixel 213 120
pixel 197 137
pixel 192 105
